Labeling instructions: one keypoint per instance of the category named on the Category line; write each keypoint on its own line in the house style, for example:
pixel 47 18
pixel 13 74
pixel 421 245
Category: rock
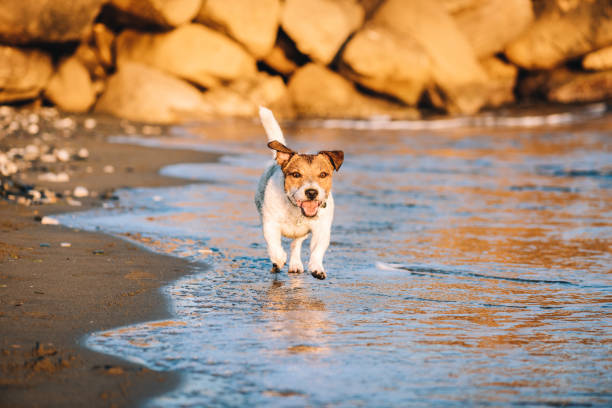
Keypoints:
pixel 502 80
pixel 386 61
pixel 70 88
pixel 193 52
pixel 571 87
pixel 49 220
pixel 23 22
pixel 320 27
pixel 335 96
pixel 278 60
pixel 80 191
pixel 254 24
pixel 490 25
pixel 23 73
pixel 458 80
pixel 141 93
pixel 166 13
pixel 599 60
pixel 242 98
pixel 560 35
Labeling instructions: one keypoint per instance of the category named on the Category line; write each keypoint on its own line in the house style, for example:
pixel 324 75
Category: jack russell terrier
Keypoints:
pixel 294 199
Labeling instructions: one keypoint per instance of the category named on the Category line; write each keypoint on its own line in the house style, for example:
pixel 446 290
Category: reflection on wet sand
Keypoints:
pixel 467 267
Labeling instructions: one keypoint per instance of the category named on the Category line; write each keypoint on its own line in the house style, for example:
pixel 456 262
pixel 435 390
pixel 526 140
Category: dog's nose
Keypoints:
pixel 311 193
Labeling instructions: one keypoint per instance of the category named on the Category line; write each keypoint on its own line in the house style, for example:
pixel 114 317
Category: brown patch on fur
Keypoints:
pixel 310 168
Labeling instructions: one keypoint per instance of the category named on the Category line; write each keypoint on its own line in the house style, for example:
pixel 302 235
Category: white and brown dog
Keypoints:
pixel 294 199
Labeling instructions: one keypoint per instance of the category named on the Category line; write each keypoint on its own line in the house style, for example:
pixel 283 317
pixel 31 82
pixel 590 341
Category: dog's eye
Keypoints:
pixel 295 174
pixel 323 174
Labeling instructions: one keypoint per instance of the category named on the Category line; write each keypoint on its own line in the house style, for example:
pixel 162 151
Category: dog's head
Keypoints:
pixel 308 177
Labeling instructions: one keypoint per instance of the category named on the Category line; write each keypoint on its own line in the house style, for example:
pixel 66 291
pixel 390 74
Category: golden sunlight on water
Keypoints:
pixel 467 267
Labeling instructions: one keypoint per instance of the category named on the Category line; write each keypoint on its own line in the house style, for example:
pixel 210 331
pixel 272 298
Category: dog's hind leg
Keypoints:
pixel 295 259
pixel 277 254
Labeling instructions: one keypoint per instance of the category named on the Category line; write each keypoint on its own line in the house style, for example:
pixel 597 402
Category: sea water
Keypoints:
pixel 468 266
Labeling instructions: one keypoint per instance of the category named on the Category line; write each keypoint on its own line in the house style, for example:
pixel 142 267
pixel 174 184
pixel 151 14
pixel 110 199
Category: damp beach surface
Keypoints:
pixel 467 266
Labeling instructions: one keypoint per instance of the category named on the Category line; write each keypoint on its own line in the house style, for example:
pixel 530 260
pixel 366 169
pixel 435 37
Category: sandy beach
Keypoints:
pixel 53 295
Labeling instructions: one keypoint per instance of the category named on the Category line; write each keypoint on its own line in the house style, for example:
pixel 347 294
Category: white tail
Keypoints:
pixel 271 126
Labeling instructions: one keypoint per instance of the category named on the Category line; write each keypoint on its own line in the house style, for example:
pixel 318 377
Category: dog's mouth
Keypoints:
pixel 309 208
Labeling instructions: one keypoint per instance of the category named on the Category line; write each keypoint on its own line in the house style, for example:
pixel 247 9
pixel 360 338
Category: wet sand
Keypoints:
pixel 51 296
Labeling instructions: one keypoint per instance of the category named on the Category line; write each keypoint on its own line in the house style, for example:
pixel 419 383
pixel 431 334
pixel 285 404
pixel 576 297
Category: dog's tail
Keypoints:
pixel 271 126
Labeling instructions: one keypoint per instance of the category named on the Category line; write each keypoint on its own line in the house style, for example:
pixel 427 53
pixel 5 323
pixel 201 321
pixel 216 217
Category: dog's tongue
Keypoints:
pixel 310 208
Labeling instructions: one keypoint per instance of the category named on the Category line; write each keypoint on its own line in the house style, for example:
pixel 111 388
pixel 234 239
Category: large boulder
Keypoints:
pixel 24 22
pixel 381 59
pixel 319 92
pixel 192 51
pixel 502 81
pixel 70 87
pixel 572 87
pixel 23 73
pixel 320 27
pixel 599 60
pixel 253 23
pixel 141 93
pixel 559 35
pixel 459 83
pixel 243 98
pixel 165 13
pixel 490 25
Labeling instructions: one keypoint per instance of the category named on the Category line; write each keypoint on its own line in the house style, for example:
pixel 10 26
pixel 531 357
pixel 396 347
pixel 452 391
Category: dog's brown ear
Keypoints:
pixel 336 158
pixel 283 153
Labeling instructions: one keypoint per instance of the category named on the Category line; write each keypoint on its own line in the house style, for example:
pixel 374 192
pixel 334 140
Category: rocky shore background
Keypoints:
pixel 166 61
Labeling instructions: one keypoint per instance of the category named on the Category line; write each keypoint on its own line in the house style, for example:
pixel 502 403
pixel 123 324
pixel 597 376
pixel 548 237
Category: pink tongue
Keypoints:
pixel 310 208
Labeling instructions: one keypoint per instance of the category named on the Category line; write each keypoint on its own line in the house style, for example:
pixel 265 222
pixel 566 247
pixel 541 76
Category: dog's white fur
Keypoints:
pixel 281 217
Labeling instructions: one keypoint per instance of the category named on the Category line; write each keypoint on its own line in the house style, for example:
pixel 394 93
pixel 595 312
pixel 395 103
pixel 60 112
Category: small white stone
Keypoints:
pixel 109 169
pixel 90 123
pixel 48 158
pixel 65 244
pixel 62 177
pixel 33 128
pixel 157 198
pixel 49 221
pixel 80 191
pixel 62 155
pixel 83 153
pixel 31 152
pixel 73 203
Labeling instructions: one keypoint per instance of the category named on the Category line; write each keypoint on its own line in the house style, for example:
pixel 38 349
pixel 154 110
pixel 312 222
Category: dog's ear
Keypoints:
pixel 283 153
pixel 336 158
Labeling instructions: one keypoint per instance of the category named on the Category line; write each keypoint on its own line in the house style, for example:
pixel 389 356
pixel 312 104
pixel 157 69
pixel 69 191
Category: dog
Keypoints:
pixel 294 199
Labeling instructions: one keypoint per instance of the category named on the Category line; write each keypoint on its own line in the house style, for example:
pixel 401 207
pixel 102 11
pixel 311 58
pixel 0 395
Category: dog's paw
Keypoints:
pixel 318 274
pixel 296 267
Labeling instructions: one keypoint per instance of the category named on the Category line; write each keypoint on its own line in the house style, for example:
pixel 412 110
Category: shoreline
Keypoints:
pixel 52 296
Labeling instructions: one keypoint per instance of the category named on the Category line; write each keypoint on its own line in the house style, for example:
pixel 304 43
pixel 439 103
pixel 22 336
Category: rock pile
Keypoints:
pixel 165 61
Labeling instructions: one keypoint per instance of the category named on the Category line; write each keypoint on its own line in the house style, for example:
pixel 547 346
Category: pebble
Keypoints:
pixel 45 245
pixel 49 220
pixel 54 178
pixel 72 202
pixel 83 153
pixel 48 158
pixel 33 128
pixel 98 251
pixel 65 244
pixel 62 155
pixel 31 152
pixel 90 123
pixel 80 191
pixel 109 169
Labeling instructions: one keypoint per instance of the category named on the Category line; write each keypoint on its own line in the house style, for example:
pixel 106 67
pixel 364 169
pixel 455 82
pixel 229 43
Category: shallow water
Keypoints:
pixel 467 266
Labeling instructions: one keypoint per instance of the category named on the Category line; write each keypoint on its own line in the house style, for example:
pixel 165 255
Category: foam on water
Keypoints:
pixel 465 268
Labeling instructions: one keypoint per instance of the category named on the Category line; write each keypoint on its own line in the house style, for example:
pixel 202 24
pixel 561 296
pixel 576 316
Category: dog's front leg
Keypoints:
pixel 272 235
pixel 295 259
pixel 318 245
